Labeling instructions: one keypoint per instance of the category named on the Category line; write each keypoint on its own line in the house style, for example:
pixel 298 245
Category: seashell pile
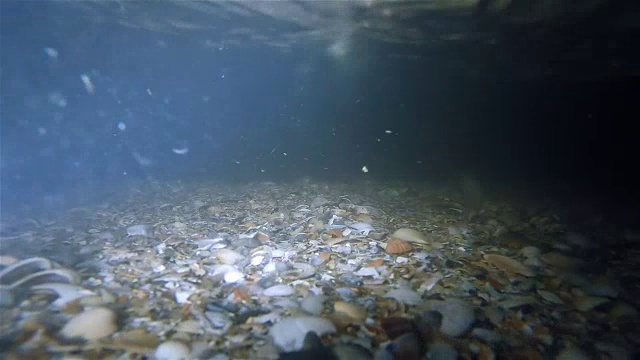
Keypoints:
pixel 301 270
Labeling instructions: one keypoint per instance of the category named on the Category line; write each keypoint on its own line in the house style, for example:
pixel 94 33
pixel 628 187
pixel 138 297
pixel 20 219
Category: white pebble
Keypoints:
pixel 233 277
pixel 288 334
pixel 139 230
pixel 367 271
pixel 257 260
pixel 228 256
pixel 405 296
pixel 279 290
pixel 270 267
pixel 182 297
pixel 172 350
pixel 313 304
pixel 92 324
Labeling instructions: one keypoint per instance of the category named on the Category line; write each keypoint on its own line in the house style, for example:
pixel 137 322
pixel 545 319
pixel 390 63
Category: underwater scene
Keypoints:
pixel 328 179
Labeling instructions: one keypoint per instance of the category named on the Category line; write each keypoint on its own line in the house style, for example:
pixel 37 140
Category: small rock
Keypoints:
pixel 351 352
pixel 508 264
pixel 457 315
pixel 486 335
pixel 228 256
pixel 289 333
pixel 279 290
pixel 405 296
pixel 313 304
pixel 92 324
pixel 218 320
pixel 530 252
pixel 442 351
pixel 587 303
pixel 6 297
pixel 410 235
pixel 572 352
pixel 318 201
pixel 561 261
pixel 580 240
pixel 350 309
pixel 362 228
pixel 233 276
pixel 172 350
pixel 367 271
pixel 139 230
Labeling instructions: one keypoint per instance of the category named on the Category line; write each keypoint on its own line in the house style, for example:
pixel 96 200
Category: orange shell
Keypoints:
pixel 397 246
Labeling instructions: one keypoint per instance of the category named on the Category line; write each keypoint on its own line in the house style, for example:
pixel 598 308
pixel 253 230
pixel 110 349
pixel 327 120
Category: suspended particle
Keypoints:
pixel 365 169
pixel 181 151
pixel 51 52
pixel 88 84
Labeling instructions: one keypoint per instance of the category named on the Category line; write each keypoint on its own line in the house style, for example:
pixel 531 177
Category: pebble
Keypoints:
pixel 139 230
pixel 572 352
pixel 350 280
pixel 313 304
pixel 228 256
pixel 217 320
pixel 442 351
pixel 318 201
pixel 362 228
pixel 457 315
pixel 233 276
pixel 486 335
pixel 351 352
pixel 350 309
pixel 367 271
pixel 530 252
pixel 279 290
pixel 172 350
pixel 405 296
pixel 410 235
pixel 346 293
pixel 316 260
pixel 289 333
pixel 6 297
pixel 270 267
pixel 92 324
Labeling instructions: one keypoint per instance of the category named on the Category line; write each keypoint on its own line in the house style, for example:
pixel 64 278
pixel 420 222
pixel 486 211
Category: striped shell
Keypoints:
pixel 397 246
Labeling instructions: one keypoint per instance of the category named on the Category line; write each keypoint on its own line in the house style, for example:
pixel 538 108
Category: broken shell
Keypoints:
pixel 410 235
pixel 66 292
pixel 397 246
pixel 63 276
pixel 508 264
pixel 262 237
pixel 301 271
pixel 24 268
pixel 228 256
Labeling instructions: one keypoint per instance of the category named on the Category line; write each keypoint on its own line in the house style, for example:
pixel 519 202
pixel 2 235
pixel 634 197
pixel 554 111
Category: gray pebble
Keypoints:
pixel 442 351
